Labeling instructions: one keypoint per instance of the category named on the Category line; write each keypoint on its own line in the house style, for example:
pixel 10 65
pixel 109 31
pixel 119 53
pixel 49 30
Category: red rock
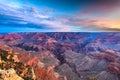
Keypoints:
pixel 33 61
pixel 24 57
pixel 114 68
pixel 11 37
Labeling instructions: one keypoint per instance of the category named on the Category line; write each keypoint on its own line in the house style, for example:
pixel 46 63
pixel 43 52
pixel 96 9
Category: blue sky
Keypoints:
pixel 59 15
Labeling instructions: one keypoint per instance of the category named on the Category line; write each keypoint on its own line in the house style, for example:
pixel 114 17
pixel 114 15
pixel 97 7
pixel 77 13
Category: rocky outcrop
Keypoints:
pixel 104 75
pixel 15 67
pixel 65 70
pixel 114 67
pixel 10 63
pixel 11 37
pixel 9 74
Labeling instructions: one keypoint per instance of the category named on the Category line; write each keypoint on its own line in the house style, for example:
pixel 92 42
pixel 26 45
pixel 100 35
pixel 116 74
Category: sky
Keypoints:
pixel 59 15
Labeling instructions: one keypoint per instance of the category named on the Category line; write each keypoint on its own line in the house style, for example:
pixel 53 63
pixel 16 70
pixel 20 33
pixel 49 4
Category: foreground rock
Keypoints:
pixel 9 63
pixel 9 74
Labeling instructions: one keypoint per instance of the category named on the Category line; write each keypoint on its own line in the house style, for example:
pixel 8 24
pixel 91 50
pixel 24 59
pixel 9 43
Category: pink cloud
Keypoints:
pixel 106 6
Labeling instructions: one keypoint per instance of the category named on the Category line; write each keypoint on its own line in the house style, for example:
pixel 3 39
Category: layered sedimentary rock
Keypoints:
pixel 62 56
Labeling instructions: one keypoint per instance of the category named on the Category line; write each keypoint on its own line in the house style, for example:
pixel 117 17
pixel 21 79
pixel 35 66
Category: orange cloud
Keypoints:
pixel 98 23
pixel 108 23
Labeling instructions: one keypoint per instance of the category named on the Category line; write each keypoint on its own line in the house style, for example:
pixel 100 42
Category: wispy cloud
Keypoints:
pixel 30 16
pixel 102 16
pixel 97 15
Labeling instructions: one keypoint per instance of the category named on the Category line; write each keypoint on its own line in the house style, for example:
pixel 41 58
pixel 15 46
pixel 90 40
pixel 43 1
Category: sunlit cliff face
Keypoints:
pixel 59 15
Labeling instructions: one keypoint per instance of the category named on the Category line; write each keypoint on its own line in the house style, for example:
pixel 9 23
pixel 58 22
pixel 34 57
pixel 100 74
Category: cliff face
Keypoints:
pixel 25 67
pixel 9 74
pixel 10 66
pixel 61 56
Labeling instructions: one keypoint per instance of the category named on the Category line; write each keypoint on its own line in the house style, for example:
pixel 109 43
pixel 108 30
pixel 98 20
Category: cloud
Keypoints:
pixel 99 23
pixel 30 17
pixel 97 15
pixel 102 7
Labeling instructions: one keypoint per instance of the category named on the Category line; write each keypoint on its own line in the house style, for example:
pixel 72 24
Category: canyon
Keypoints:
pixel 60 56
